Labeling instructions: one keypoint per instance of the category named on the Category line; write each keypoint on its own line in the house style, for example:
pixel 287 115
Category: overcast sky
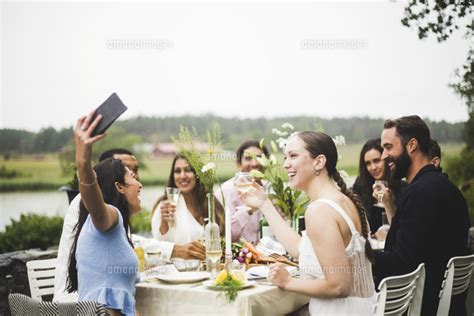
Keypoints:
pixel 60 60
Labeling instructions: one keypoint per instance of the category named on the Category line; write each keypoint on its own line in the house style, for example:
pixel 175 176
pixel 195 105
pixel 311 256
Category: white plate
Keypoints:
pixel 184 277
pixel 210 284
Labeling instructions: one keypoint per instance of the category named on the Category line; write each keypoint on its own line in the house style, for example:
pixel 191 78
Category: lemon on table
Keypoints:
pixel 238 276
pixel 221 277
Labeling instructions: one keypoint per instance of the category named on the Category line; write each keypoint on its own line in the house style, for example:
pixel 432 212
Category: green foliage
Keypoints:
pixel 8 174
pixel 440 18
pixel 234 131
pixel 231 288
pixel 469 196
pixel 461 168
pixel 31 231
pixel 202 163
pixel 461 171
pixel 464 87
pixel 116 138
pixel 141 222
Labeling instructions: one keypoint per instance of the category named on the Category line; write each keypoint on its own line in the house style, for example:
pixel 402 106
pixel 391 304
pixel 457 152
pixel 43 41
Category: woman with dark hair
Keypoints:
pixel 334 255
pixel 371 168
pixel 102 265
pixel 187 217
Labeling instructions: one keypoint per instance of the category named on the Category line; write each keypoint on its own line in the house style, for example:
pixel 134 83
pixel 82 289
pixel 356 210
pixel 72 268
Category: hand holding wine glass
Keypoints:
pixel 168 208
pixel 254 198
pixel 379 188
pixel 243 182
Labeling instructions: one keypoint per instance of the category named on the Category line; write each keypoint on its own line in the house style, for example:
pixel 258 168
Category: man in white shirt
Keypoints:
pixel 168 250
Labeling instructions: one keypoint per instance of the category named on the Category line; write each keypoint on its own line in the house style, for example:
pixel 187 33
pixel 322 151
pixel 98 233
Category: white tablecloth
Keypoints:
pixel 159 298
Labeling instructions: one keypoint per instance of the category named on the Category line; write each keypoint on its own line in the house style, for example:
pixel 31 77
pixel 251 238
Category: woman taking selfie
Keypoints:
pixel 103 266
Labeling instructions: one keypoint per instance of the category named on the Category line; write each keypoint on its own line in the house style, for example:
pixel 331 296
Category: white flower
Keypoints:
pixel 282 142
pixel 340 140
pixel 277 132
pixel 208 166
pixel 273 159
pixel 287 125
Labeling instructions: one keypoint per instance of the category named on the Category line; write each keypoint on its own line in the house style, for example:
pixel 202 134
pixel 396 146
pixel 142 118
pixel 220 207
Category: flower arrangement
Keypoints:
pixel 202 162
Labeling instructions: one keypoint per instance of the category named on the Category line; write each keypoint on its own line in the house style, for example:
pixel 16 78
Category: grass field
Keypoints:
pixel 46 174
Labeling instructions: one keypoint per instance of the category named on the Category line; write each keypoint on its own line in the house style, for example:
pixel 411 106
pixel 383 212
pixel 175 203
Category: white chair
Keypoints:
pixel 41 277
pixel 457 278
pixel 400 293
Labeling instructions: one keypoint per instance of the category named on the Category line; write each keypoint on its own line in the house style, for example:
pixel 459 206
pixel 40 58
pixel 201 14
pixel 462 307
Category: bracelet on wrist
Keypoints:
pixel 88 184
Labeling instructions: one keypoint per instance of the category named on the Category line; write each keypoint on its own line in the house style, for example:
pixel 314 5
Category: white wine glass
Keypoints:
pixel 243 181
pixel 379 189
pixel 172 196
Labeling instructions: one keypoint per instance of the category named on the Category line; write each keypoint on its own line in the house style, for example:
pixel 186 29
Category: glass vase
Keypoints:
pixel 212 237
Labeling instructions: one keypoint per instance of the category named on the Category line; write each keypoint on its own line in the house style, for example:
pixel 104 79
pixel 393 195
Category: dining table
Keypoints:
pixel 156 297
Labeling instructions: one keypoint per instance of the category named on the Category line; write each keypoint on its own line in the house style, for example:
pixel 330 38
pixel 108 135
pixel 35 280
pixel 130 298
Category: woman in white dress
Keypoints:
pixel 188 216
pixel 334 255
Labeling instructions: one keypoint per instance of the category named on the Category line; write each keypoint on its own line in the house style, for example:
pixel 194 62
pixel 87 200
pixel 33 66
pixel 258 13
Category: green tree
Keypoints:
pixel 116 137
pixel 13 141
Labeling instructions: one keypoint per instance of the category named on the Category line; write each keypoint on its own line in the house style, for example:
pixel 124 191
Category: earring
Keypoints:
pixel 317 172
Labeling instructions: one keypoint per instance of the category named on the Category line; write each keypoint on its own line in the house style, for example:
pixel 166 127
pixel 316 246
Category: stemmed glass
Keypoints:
pixel 213 246
pixel 379 189
pixel 172 195
pixel 243 182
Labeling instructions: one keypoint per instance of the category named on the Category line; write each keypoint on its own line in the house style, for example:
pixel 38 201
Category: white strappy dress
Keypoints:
pixel 362 293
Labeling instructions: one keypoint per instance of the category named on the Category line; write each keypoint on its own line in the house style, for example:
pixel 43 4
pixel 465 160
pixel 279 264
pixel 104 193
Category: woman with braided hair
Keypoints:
pixel 334 255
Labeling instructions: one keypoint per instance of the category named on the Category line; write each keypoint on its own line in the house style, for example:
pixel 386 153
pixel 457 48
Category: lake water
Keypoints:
pixel 52 203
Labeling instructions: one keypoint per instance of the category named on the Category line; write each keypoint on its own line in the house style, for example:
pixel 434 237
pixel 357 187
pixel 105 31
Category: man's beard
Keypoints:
pixel 402 165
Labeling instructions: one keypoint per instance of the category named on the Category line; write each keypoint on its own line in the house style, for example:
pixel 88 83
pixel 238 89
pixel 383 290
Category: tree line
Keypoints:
pixel 234 131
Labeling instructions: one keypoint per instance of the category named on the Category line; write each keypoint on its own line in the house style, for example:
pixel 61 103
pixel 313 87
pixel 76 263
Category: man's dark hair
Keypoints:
pixel 114 151
pixel 409 127
pixel 247 144
pixel 435 150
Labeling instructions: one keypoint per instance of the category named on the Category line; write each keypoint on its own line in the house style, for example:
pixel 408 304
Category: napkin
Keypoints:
pixel 268 245
pixel 261 272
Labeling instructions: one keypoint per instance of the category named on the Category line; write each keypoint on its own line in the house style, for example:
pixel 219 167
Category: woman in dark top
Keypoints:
pixel 371 168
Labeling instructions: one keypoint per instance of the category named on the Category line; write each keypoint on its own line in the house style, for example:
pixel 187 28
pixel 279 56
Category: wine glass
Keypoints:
pixel 379 189
pixel 213 245
pixel 172 195
pixel 243 182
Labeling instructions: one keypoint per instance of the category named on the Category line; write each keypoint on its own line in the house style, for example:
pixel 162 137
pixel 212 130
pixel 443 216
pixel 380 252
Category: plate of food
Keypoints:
pixel 184 277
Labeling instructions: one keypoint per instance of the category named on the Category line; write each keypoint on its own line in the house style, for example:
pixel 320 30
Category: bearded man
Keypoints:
pixel 431 223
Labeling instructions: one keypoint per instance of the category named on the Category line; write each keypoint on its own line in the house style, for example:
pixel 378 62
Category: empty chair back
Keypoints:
pixel 457 278
pixel 41 277
pixel 399 293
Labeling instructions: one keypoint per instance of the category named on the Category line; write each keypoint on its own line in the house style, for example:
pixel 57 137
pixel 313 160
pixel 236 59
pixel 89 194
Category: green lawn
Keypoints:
pixel 46 174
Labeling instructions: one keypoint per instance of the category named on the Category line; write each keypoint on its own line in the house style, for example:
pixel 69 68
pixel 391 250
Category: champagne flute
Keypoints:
pixel 379 189
pixel 212 237
pixel 172 195
pixel 243 182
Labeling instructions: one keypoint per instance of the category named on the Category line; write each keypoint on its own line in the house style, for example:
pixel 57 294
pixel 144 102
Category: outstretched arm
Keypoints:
pixel 103 216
